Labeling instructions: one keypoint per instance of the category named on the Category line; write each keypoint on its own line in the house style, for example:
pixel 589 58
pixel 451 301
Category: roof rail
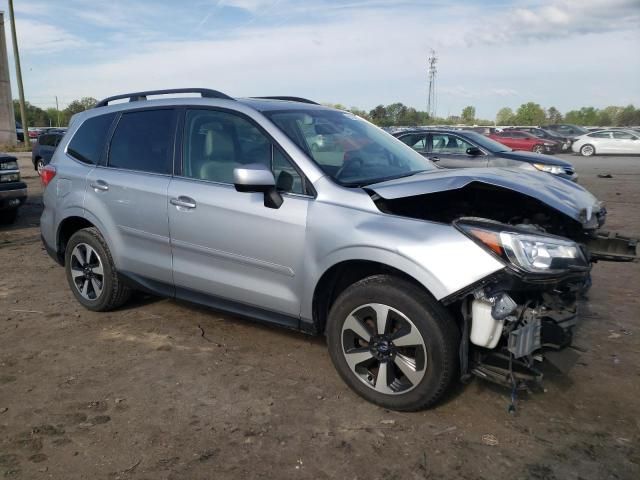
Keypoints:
pixel 138 96
pixel 290 99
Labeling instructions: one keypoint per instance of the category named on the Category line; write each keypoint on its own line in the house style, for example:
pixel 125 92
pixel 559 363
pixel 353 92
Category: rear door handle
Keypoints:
pixel 184 202
pixel 99 185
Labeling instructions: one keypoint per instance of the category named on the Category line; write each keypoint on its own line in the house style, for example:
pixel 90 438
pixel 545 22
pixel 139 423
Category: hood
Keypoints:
pixel 531 157
pixel 563 195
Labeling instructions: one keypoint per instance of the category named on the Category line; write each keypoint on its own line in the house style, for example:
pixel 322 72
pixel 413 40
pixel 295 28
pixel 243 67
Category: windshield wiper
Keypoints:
pixel 364 183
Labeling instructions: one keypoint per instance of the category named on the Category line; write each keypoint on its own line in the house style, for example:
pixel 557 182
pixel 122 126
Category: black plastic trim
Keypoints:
pixel 141 96
pixel 289 99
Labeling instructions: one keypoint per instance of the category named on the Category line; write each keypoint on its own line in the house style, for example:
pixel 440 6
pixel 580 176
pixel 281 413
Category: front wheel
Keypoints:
pixel 587 150
pixel 392 343
pixel 91 272
pixel 538 149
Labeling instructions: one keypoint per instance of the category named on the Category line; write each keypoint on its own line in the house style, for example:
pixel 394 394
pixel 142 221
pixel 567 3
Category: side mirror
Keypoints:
pixel 474 151
pixel 256 177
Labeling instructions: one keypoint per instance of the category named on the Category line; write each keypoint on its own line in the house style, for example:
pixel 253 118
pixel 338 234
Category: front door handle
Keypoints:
pixel 184 202
pixel 434 159
pixel 99 185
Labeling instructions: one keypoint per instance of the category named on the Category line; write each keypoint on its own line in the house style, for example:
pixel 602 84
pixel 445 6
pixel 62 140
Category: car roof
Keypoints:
pixel 271 104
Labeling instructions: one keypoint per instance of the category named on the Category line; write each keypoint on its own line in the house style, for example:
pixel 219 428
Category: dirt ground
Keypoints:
pixel 166 390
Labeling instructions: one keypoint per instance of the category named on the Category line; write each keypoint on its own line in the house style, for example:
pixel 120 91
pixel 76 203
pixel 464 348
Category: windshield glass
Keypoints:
pixel 349 149
pixel 487 143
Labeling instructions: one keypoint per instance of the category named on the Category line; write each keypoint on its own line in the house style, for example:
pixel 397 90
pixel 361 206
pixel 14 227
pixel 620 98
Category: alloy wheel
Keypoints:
pixel 587 150
pixel 384 348
pixel 87 271
pixel 39 166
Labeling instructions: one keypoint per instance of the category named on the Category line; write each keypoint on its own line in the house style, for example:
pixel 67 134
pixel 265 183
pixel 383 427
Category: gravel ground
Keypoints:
pixel 166 390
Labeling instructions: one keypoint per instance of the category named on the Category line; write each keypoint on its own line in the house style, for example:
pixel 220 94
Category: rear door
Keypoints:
pixel 625 142
pixel 450 151
pixel 127 192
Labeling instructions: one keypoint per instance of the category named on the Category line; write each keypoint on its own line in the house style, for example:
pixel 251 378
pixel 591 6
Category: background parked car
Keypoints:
pixel 44 147
pixel 547 135
pixel 519 140
pixel 19 132
pixel 567 130
pixel 13 192
pixel 464 148
pixel 621 142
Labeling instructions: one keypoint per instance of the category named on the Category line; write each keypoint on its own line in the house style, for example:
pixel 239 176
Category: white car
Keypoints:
pixel 621 142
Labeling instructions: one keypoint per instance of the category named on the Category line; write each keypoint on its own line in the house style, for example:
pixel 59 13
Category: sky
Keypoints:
pixel 491 54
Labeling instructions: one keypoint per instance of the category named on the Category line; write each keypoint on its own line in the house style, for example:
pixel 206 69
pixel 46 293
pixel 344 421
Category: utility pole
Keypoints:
pixel 16 55
pixel 58 112
pixel 431 97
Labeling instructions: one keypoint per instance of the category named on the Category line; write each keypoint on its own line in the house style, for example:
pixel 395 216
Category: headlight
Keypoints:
pixel 555 169
pixel 546 144
pixel 531 252
pixel 9 165
pixel 10 177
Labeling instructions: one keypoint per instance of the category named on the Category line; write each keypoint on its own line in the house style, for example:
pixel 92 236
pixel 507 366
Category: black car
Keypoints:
pixel 465 149
pixel 13 192
pixel 566 130
pixel 548 135
pixel 44 147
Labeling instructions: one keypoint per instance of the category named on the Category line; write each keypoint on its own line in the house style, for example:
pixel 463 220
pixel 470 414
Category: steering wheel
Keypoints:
pixel 349 166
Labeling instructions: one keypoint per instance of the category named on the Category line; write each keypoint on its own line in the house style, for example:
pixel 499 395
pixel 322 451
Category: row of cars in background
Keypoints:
pixel 13 191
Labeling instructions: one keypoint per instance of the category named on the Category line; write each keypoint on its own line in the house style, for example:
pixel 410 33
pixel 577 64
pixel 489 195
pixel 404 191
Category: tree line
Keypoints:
pixel 398 114
pixel 52 117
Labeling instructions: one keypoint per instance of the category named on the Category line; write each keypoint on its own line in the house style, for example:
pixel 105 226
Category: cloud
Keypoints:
pixel 557 19
pixel 43 38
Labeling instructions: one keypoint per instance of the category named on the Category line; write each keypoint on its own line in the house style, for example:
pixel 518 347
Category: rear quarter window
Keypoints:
pixel 143 141
pixel 89 140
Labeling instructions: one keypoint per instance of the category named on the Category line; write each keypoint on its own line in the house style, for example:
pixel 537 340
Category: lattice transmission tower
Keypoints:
pixel 431 97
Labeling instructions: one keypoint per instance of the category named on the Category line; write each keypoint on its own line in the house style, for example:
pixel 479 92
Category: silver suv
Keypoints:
pixel 417 276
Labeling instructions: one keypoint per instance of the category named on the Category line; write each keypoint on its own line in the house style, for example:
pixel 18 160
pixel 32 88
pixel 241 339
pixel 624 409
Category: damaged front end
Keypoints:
pixel 515 318
pixel 546 233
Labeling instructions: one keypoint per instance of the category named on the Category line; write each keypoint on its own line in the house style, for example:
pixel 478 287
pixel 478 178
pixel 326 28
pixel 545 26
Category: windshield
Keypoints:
pixel 486 142
pixel 349 149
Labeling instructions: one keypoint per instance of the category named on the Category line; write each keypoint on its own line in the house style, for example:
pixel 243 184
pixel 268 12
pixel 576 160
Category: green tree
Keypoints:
pixel 629 116
pixel 379 115
pixel 468 115
pixel 505 116
pixel 36 117
pixel 530 114
pixel 554 116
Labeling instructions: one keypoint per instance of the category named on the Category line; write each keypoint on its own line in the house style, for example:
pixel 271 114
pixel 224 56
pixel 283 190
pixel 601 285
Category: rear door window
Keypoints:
pixel 143 141
pixel 88 142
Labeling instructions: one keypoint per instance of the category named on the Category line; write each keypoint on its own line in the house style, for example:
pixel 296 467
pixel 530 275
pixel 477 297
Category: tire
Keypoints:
pixel 8 217
pixel 91 273
pixel 39 166
pixel 587 150
pixel 413 318
pixel 538 149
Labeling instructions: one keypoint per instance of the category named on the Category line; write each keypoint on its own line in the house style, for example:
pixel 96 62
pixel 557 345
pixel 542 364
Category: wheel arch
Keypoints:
pixel 343 274
pixel 66 229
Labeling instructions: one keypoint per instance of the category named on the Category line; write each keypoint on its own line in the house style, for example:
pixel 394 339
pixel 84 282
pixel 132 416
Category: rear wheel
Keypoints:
pixel 91 272
pixel 587 150
pixel 392 343
pixel 39 166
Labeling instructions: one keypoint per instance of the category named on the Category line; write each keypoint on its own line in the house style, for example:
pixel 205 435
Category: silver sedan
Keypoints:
pixel 621 142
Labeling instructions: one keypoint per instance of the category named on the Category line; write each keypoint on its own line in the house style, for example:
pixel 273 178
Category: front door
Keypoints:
pixel 227 246
pixel 450 151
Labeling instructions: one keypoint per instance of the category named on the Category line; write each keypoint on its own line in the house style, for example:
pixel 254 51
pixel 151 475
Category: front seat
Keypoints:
pixel 219 154
pixel 452 144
